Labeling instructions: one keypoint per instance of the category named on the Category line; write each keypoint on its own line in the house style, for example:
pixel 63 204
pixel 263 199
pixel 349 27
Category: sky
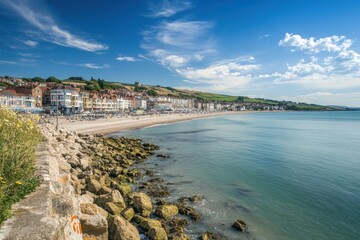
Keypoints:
pixel 298 50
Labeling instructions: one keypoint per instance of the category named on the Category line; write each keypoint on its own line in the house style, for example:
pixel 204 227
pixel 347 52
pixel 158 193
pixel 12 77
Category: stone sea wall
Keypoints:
pixel 46 213
pixel 87 191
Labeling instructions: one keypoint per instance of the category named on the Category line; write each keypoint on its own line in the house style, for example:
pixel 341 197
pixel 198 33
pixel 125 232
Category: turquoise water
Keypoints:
pixel 293 175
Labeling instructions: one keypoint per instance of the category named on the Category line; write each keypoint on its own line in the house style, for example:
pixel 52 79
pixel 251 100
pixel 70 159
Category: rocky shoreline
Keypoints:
pixel 103 174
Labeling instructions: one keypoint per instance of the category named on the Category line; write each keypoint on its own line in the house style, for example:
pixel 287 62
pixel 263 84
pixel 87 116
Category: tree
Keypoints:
pixel 92 88
pixel 241 99
pixel 101 83
pixel 171 89
pixel 52 79
pixel 4 84
pixel 77 78
pixel 92 85
pixel 152 92
pixel 37 79
pixel 139 88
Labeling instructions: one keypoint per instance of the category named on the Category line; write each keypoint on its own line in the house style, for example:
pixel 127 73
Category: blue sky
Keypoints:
pixel 298 50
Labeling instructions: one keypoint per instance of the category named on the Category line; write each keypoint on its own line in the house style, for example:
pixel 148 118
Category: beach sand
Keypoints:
pixel 117 124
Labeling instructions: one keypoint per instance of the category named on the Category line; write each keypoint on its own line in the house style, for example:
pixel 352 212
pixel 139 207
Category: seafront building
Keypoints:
pixel 105 101
pixel 65 99
pixel 70 99
pixel 22 98
pixel 141 103
pixel 124 104
pixel 170 103
pixel 87 102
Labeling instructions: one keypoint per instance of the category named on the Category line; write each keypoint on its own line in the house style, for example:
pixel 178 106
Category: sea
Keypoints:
pixel 288 175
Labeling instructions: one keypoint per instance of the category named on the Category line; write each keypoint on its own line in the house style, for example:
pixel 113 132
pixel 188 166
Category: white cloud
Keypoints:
pixel 93 66
pixel 30 43
pixel 339 68
pixel 50 31
pixel 28 55
pixel 350 99
pixel 175 61
pixel 168 59
pixel 168 8
pixel 309 67
pixel 176 43
pixel 328 60
pixel 312 45
pixel 323 81
pixel 349 60
pixel 127 59
pixel 182 33
pixel 229 76
pixel 265 75
pixel 316 75
pixel 7 62
pixel 87 65
pixel 198 57
pixel 264 36
pixel 319 94
pixel 27 60
pixel 242 59
pixel 100 52
pixel 218 71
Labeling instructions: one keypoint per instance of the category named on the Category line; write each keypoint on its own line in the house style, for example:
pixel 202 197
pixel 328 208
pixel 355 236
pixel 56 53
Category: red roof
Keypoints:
pixel 18 91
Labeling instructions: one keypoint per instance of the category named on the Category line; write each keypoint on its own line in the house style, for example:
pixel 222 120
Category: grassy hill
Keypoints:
pixel 206 96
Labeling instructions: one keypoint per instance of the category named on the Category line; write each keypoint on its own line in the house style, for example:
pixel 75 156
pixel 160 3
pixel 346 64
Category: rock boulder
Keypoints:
pixel 157 233
pixel 167 211
pixel 93 222
pixel 121 229
pixel 147 223
pixel 240 225
pixel 93 186
pixel 142 204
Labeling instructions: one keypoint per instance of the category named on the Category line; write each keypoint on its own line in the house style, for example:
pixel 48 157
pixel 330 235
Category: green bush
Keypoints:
pixel 152 92
pixel 19 136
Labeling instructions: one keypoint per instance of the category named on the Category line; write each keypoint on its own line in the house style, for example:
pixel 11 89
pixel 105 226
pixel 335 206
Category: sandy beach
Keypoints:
pixel 117 124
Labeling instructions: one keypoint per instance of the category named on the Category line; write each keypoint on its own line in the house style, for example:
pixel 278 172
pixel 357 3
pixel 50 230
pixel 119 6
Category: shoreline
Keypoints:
pixel 119 124
pixel 106 176
pixel 147 182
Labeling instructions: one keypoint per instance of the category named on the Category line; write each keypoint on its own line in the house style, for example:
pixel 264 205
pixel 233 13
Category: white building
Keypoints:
pixel 165 102
pixel 18 98
pixel 141 103
pixel 123 104
pixel 67 100
pixel 218 106
pixel 182 103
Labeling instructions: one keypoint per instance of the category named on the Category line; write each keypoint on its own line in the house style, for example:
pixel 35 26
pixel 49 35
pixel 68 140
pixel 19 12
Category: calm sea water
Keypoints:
pixel 292 175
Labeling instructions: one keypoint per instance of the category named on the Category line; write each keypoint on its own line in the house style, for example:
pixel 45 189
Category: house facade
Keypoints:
pixel 66 99
pixel 141 103
pixel 21 98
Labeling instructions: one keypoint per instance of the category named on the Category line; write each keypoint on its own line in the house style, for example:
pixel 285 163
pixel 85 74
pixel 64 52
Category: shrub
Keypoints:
pixel 19 136
pixel 152 92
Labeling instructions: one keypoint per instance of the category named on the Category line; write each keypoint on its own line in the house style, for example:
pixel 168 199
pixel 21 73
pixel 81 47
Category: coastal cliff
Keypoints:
pixel 87 192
